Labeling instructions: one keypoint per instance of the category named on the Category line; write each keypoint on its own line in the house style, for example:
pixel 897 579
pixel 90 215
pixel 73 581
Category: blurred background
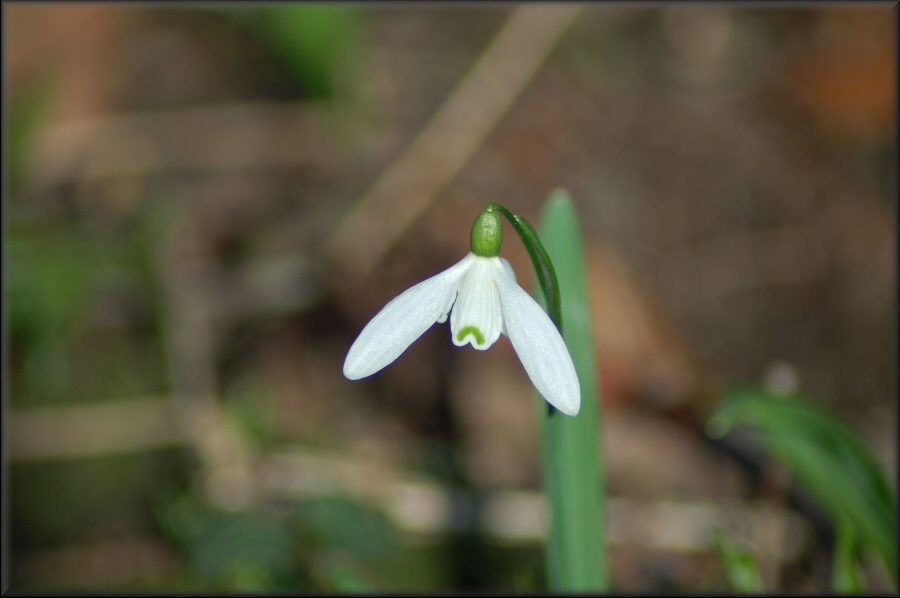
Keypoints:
pixel 205 205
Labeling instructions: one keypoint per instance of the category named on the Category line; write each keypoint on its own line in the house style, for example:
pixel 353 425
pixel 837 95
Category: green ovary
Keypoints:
pixel 479 338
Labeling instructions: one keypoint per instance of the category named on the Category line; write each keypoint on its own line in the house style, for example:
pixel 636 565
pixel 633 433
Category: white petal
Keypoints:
pixel 539 345
pixel 477 316
pixel 512 274
pixel 508 267
pixel 403 320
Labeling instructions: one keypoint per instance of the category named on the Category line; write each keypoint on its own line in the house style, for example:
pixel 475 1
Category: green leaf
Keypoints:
pixel 739 566
pixel 845 575
pixel 576 557
pixel 831 461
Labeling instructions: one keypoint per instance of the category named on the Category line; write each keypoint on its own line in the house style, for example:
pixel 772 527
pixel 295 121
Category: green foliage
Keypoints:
pixel 576 546
pixel 60 282
pixel 307 38
pixel 845 574
pixel 59 502
pixel 829 459
pixel 739 566
pixel 25 110
pixel 322 544
pixel 249 551
pixel 343 579
pixel 351 528
pixel 47 280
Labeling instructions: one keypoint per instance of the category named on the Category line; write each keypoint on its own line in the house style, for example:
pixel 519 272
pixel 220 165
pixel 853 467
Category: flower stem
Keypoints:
pixel 575 558
pixel 541 260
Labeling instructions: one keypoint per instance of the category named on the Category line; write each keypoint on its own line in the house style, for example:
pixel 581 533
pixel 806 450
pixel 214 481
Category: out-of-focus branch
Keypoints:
pixel 184 140
pixel 452 136
pixel 424 507
pixel 415 504
pixel 190 344
pixel 73 431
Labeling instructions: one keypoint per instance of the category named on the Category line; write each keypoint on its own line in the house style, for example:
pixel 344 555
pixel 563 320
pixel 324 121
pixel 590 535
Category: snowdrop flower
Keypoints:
pixel 485 300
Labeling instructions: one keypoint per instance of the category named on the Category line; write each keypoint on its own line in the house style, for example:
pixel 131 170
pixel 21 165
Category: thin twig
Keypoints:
pixel 450 139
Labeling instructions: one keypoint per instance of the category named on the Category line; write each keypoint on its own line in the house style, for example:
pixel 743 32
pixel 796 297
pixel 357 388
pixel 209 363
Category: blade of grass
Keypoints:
pixel 845 574
pixel 739 566
pixel 828 458
pixel 576 557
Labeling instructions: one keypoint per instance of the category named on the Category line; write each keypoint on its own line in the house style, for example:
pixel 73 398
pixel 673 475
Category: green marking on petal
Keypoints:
pixel 479 337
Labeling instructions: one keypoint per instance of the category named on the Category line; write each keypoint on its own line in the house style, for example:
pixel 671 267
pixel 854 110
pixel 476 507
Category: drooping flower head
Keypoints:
pixel 483 300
